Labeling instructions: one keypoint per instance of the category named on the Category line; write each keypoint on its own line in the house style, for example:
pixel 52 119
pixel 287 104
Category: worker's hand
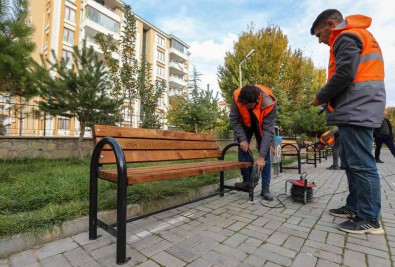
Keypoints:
pixel 315 102
pixel 244 145
pixel 260 162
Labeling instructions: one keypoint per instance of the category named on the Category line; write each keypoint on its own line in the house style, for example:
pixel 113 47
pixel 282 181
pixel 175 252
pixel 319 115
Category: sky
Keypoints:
pixel 211 27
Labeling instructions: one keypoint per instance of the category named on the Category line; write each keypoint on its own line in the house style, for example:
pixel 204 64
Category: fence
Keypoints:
pixel 28 120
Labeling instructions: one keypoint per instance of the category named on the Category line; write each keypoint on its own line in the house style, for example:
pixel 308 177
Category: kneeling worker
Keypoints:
pixel 253 112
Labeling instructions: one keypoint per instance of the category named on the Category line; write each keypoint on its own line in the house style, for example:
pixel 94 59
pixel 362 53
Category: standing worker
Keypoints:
pixel 253 112
pixel 355 97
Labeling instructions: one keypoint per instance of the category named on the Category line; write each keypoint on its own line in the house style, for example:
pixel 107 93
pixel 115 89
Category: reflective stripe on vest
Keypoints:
pixel 259 113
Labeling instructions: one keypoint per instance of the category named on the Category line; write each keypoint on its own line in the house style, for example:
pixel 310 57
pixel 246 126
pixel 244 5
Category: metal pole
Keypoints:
pixel 240 78
pixel 240 74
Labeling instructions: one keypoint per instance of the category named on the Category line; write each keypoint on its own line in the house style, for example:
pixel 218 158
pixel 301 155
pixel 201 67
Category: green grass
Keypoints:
pixel 37 194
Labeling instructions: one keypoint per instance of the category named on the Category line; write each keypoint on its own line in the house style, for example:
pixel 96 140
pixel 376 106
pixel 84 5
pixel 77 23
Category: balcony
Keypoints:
pixel 99 18
pixel 90 42
pixel 175 92
pixel 176 81
pixel 177 55
pixel 177 68
pixel 110 4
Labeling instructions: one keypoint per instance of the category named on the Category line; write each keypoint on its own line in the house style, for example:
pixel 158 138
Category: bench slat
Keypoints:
pixel 153 144
pixel 108 130
pixel 131 156
pixel 159 173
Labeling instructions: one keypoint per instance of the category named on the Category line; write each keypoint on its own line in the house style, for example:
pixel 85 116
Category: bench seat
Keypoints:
pixel 158 173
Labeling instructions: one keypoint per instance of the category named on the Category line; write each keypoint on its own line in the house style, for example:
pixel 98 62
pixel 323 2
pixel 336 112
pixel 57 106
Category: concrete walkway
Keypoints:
pixel 230 231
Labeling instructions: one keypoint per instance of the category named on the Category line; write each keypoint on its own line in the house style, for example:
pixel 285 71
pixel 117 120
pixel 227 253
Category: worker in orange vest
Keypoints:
pixel 355 97
pixel 253 112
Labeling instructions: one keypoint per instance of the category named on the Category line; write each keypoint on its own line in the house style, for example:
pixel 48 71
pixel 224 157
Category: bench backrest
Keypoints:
pixel 149 145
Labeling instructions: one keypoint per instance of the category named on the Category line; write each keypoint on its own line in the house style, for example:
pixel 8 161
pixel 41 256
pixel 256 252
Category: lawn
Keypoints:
pixel 37 194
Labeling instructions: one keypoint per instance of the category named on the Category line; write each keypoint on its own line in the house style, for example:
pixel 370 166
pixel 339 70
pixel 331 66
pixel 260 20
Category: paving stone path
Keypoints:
pixel 230 231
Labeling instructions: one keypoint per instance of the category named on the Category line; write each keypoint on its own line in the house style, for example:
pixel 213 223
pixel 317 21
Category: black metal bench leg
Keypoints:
pixel 93 207
pixel 221 183
pixel 121 221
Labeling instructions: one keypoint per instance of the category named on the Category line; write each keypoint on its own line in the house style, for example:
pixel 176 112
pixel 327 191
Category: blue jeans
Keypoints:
pixel 361 170
pixel 245 157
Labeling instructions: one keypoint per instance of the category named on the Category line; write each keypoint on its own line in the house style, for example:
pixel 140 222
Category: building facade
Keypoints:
pixel 61 24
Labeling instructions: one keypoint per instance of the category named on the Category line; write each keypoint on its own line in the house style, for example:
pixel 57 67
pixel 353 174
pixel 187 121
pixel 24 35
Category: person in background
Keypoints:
pixel 355 98
pixel 331 137
pixel 253 112
pixel 383 135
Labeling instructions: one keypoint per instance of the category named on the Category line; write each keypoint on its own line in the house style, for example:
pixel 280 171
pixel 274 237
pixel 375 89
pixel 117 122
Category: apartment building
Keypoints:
pixel 61 24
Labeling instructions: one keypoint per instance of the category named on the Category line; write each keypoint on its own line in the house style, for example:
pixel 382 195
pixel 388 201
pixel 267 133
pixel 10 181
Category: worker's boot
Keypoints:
pixel 266 194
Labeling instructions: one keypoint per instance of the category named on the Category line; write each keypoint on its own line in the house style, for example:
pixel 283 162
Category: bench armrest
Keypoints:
pixel 232 145
pixel 120 157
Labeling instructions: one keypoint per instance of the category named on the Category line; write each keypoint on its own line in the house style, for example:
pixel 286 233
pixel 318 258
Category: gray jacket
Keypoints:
pixel 360 104
pixel 268 125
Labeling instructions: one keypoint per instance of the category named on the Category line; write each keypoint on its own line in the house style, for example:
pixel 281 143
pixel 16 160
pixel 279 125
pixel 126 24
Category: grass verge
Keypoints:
pixel 37 194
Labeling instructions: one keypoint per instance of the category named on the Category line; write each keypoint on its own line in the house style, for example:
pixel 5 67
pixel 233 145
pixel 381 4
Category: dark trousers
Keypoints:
pixel 384 139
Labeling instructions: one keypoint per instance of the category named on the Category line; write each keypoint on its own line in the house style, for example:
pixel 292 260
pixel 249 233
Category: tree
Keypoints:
pixel 80 91
pixel 149 93
pixel 123 73
pixel 292 77
pixel 197 113
pixel 15 54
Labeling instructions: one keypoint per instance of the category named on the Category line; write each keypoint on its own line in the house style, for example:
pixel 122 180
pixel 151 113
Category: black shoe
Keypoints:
pixel 361 226
pixel 333 167
pixel 343 212
pixel 379 161
pixel 243 185
pixel 266 195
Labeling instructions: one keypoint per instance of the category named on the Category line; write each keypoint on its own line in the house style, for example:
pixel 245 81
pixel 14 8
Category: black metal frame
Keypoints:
pixel 297 151
pixel 222 185
pixel 120 231
pixel 309 160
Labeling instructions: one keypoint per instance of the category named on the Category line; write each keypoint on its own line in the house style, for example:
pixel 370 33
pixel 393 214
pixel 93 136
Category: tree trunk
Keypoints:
pixel 20 120
pixel 80 138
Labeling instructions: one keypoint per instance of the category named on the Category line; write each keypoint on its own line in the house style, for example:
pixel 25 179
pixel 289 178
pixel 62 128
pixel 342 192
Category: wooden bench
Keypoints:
pixel 120 146
pixel 320 154
pixel 290 148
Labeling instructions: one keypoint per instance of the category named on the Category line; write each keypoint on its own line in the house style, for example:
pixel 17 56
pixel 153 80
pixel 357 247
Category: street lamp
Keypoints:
pixel 246 57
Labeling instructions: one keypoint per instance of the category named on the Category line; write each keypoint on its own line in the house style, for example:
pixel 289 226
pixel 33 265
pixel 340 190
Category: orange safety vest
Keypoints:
pixel 259 113
pixel 330 141
pixel 371 64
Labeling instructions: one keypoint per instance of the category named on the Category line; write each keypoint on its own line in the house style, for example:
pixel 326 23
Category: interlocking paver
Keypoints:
pixel 353 258
pixel 165 259
pixel 230 231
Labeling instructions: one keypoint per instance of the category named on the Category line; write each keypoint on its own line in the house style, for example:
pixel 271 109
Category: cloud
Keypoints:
pixel 210 27
pixel 207 55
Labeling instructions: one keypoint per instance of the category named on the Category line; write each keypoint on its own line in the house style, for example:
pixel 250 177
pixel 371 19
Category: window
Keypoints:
pixel 67 55
pixel 178 46
pixel 68 36
pixel 69 14
pixel 63 123
pixel 160 55
pixel 160 71
pixel 102 19
pixel 160 40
